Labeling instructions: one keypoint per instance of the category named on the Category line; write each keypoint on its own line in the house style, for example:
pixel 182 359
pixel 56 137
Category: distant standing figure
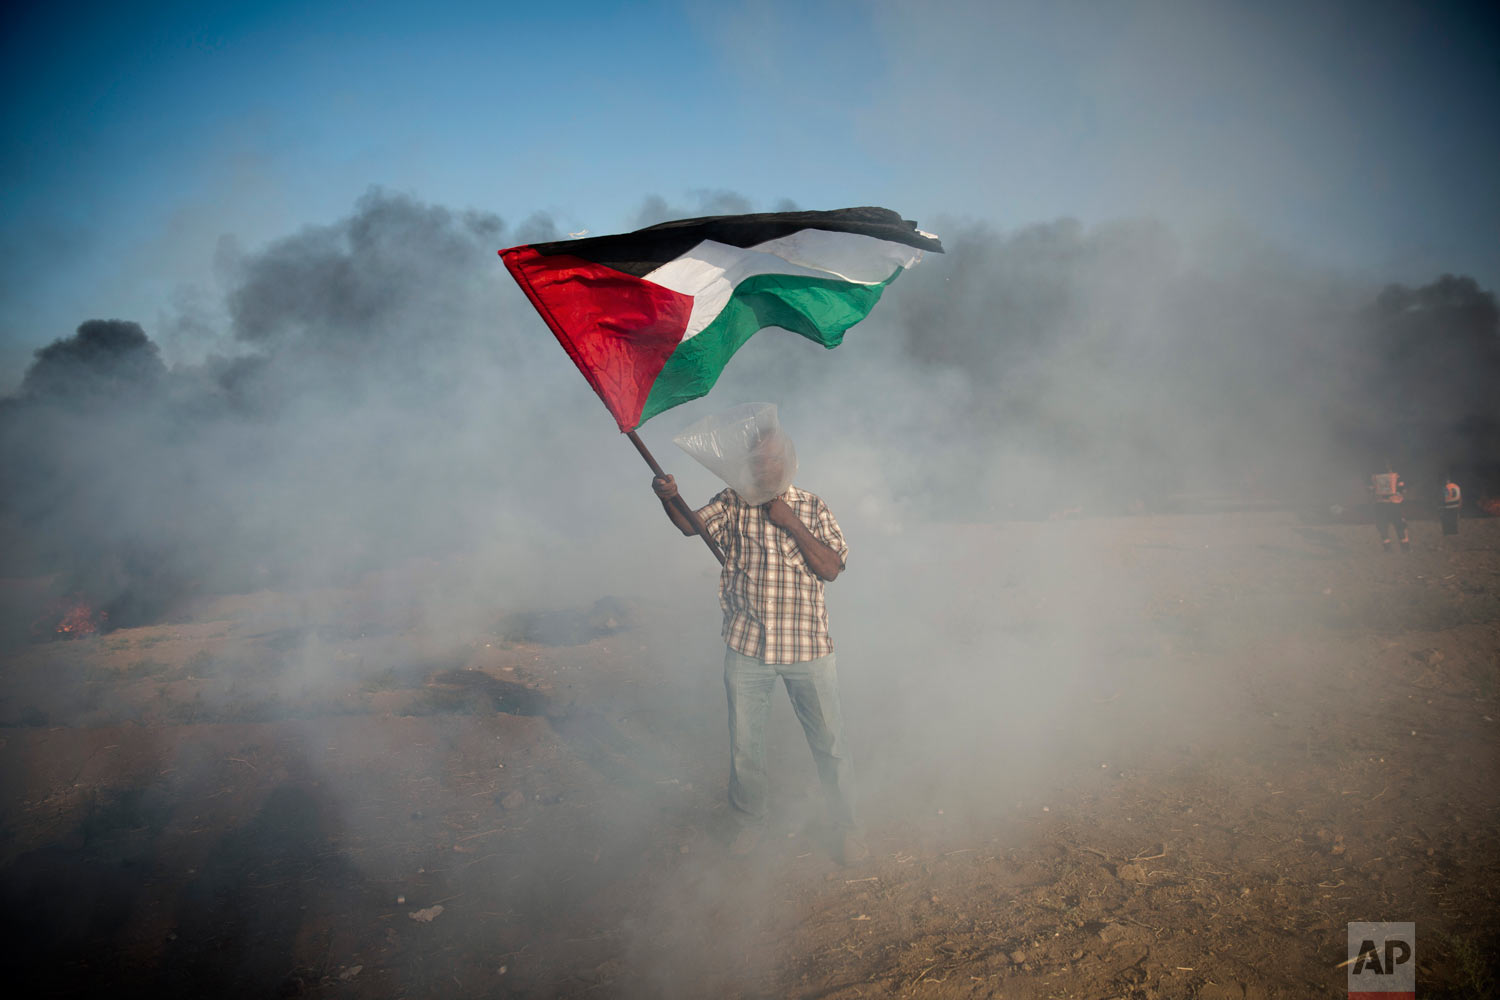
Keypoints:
pixel 1389 489
pixel 1453 499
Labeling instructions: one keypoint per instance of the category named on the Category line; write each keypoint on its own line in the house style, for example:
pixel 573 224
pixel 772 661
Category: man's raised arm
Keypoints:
pixel 666 491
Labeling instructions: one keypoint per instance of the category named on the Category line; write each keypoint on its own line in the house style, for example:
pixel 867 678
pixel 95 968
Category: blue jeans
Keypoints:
pixel 813 687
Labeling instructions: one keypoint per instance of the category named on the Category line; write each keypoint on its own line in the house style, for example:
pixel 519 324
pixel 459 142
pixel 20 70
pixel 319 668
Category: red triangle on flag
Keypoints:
pixel 618 329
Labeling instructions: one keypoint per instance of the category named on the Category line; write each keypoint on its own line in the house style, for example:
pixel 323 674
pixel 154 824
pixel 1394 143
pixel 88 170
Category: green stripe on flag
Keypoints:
pixel 820 309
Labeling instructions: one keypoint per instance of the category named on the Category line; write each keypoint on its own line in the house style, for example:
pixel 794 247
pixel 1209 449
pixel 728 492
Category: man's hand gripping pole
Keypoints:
pixel 677 501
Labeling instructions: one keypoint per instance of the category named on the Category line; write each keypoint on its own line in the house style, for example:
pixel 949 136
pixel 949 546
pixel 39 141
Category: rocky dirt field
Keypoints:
pixel 1146 757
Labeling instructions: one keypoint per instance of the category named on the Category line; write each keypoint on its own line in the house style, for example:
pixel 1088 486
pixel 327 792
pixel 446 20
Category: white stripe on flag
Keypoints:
pixel 711 271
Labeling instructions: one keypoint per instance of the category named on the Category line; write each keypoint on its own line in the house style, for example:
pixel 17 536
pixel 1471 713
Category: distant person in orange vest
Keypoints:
pixel 1389 489
pixel 1453 499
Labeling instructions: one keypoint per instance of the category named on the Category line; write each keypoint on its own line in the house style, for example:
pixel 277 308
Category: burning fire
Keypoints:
pixel 79 619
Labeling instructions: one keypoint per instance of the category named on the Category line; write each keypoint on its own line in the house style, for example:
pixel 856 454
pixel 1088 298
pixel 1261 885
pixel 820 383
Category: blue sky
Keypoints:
pixel 1362 135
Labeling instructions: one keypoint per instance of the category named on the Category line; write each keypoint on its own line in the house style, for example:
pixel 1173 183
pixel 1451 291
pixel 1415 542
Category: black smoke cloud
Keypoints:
pixel 389 397
pixel 368 413
pixel 1120 365
pixel 106 360
pixel 1431 359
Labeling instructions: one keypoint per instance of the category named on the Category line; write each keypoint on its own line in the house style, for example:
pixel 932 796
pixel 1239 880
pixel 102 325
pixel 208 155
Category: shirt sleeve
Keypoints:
pixel 715 517
pixel 826 530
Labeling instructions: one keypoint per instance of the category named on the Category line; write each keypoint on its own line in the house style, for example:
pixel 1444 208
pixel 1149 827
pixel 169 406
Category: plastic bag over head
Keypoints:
pixel 746 447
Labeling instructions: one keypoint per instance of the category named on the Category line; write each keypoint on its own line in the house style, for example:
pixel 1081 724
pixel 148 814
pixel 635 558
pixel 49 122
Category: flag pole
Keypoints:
pixel 682 505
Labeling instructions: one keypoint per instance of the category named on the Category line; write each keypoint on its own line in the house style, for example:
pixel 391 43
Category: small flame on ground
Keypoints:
pixel 79 619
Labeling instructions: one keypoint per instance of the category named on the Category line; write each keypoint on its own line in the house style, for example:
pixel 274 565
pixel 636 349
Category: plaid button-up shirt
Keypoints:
pixel 772 600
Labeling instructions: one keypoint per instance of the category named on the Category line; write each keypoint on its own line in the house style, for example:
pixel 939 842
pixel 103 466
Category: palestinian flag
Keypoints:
pixel 652 317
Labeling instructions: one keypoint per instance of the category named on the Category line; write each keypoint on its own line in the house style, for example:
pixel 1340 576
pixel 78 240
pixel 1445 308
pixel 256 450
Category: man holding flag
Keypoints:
pixel 777 556
pixel 651 318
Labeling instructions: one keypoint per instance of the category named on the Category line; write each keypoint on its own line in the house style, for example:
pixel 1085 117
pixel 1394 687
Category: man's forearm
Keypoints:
pixel 677 517
pixel 665 488
pixel 821 559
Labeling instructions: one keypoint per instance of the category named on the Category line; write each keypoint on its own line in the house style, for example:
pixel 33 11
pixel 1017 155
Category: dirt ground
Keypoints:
pixel 1225 739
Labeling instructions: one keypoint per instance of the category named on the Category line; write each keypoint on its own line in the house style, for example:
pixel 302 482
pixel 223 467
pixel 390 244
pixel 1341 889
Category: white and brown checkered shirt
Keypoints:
pixel 772 601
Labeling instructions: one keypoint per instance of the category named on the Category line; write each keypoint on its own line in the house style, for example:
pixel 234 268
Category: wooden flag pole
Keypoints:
pixel 682 505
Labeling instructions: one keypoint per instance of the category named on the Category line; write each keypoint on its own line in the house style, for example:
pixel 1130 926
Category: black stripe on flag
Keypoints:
pixel 644 250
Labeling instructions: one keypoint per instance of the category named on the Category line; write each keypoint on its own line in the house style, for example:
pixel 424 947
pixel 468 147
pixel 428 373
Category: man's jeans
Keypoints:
pixel 813 687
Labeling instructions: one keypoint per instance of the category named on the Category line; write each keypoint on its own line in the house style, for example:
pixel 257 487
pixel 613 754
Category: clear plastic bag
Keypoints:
pixel 746 447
